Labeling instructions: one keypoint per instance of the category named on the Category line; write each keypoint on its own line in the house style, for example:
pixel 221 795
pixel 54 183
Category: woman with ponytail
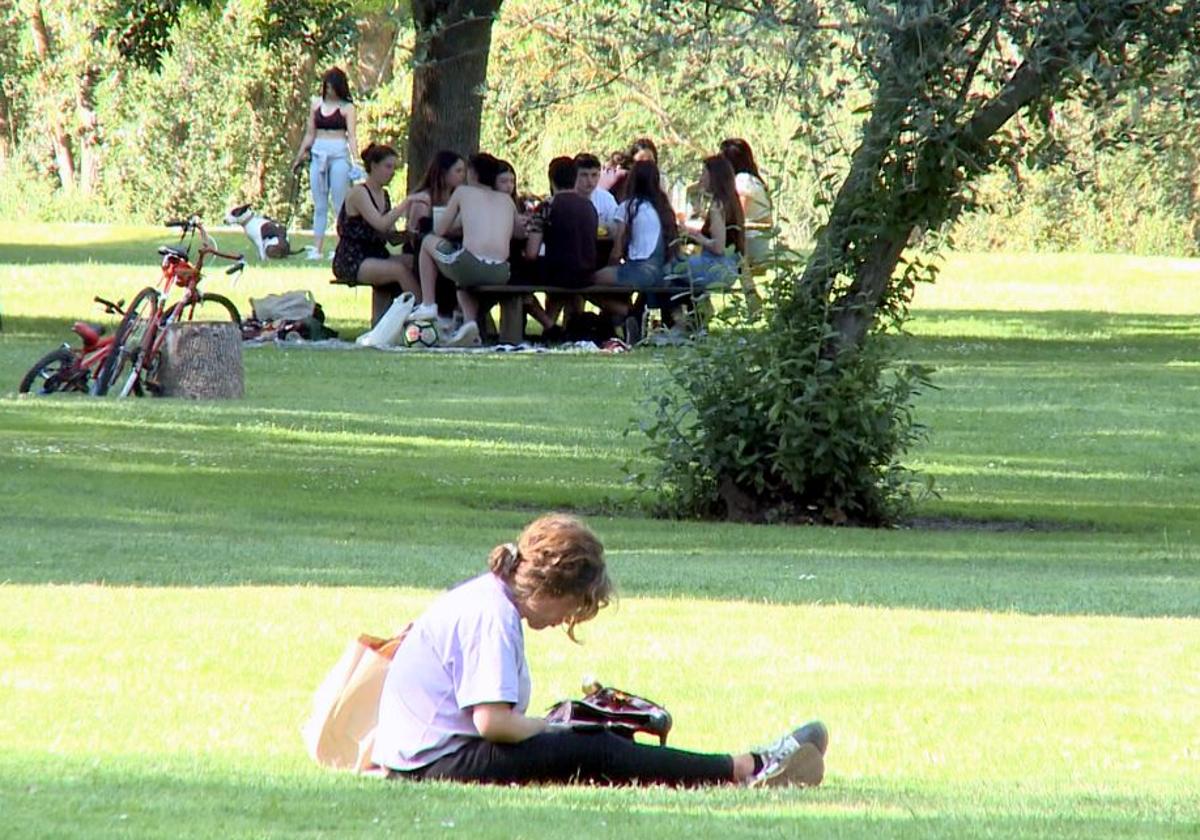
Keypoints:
pixel 366 223
pixel 455 700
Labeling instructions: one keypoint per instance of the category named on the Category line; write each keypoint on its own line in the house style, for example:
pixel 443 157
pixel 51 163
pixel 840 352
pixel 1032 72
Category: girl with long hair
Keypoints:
pixel 329 137
pixel 645 234
pixel 445 173
pixel 455 701
pixel 755 200
pixel 722 237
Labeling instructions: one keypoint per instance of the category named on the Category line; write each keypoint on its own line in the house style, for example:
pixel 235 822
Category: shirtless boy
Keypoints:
pixel 487 218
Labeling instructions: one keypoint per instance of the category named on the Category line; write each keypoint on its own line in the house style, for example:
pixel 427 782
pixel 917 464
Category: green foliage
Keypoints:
pixel 320 26
pixel 196 137
pixel 758 423
pixel 143 28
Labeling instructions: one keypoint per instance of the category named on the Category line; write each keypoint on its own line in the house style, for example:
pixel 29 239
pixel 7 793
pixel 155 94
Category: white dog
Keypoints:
pixel 268 236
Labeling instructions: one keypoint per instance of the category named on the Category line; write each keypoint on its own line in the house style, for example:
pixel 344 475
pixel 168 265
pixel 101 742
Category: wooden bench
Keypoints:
pixel 511 300
pixel 381 296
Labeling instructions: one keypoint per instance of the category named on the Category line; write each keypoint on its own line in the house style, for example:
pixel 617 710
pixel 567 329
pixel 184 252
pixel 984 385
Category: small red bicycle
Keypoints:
pixel 70 368
pixel 139 338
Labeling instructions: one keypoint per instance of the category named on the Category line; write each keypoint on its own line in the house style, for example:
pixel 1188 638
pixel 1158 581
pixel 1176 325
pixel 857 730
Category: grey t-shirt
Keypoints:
pixel 467 648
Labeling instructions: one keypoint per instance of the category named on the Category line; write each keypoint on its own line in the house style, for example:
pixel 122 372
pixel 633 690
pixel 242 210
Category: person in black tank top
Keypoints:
pixel 366 223
pixel 329 140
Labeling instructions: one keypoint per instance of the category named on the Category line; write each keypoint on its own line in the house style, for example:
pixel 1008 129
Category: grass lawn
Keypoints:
pixel 177 577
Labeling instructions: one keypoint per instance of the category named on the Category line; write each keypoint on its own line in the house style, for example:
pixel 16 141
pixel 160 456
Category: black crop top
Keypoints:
pixel 329 122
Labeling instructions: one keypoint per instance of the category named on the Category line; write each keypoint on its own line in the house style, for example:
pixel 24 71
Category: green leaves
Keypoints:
pixel 757 423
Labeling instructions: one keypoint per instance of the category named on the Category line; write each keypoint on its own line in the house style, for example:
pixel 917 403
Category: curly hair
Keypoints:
pixel 556 556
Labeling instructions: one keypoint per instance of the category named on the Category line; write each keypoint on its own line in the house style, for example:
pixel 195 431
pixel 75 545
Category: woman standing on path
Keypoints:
pixel 328 140
pixel 456 694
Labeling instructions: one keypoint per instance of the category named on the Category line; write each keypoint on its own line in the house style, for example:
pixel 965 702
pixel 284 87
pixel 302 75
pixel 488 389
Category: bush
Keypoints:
pixel 756 422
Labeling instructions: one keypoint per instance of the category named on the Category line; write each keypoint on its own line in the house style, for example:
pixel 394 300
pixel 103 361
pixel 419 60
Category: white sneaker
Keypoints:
pixel 797 758
pixel 311 253
pixel 424 312
pixel 465 336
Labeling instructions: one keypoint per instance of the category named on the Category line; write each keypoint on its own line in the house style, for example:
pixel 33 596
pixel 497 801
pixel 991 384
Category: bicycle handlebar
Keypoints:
pixel 109 306
pixel 231 257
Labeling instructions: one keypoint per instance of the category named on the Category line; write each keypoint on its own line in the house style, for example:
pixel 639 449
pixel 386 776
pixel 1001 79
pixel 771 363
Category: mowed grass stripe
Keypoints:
pixel 928 697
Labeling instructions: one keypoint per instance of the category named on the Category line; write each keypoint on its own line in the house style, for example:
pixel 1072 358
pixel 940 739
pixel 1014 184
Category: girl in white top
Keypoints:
pixel 455 700
pixel 645 234
pixel 756 201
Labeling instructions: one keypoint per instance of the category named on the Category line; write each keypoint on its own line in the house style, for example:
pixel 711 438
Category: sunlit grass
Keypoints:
pixel 937 716
pixel 1023 668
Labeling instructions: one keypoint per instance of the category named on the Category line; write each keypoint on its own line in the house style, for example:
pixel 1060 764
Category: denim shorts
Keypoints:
pixel 641 274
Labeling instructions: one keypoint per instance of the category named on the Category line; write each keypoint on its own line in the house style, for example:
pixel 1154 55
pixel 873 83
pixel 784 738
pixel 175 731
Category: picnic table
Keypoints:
pixel 510 297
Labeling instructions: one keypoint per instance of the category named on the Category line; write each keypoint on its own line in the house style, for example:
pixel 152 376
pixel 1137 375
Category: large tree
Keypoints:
pixel 807 419
pixel 450 62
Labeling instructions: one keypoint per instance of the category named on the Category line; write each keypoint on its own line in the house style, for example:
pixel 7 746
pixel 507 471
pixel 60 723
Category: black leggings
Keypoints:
pixel 568 757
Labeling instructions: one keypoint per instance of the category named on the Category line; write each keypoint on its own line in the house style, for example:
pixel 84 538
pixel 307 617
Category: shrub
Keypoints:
pixel 756 422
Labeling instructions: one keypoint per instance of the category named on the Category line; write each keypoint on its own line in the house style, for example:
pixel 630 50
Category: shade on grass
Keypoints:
pixel 1028 670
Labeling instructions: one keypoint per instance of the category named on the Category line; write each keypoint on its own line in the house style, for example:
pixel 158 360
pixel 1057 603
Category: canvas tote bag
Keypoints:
pixel 287 306
pixel 340 732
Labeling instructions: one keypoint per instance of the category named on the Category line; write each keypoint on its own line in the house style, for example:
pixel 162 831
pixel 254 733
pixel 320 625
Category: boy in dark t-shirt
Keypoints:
pixel 566 225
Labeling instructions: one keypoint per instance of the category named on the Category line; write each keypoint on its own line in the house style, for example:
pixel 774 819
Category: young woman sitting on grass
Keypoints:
pixel 367 222
pixel 455 698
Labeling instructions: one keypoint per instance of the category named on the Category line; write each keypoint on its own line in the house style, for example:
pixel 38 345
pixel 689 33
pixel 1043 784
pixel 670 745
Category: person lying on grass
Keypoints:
pixel 455 699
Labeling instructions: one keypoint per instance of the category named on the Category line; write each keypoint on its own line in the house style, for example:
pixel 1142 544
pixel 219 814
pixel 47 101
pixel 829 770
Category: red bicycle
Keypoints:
pixel 140 336
pixel 74 368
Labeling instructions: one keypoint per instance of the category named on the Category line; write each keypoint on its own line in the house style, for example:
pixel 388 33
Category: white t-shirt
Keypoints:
pixel 647 229
pixel 754 199
pixel 467 648
pixel 605 204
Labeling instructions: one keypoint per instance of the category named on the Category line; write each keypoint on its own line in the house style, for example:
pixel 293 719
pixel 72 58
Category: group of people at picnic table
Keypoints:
pixel 610 225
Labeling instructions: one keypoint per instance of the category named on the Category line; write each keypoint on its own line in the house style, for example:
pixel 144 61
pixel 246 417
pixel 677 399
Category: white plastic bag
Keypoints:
pixel 391 325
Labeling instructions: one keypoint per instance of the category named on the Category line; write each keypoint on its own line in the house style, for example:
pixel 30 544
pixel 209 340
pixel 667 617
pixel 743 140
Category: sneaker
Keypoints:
pixel 797 758
pixel 424 312
pixel 465 336
pixel 311 253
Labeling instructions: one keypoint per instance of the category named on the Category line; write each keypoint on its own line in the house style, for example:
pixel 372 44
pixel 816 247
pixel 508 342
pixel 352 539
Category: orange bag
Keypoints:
pixel 340 732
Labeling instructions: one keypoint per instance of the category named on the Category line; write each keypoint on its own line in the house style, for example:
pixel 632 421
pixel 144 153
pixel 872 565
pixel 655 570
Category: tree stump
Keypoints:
pixel 202 360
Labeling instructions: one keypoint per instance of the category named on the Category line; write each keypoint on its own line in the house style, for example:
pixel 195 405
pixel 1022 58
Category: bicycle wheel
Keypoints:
pixel 214 308
pixel 128 339
pixel 55 372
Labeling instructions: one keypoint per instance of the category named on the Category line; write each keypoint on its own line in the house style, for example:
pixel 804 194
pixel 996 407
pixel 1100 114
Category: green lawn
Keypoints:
pixel 177 577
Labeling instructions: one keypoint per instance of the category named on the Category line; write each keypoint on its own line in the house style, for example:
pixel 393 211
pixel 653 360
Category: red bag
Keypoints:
pixel 615 710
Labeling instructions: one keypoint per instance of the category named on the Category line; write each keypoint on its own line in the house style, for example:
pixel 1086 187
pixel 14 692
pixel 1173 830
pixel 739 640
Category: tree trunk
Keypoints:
pixel 298 102
pixel 89 145
pixel 202 360
pixel 858 241
pixel 376 50
pixel 450 61
pixel 44 48
pixel 7 129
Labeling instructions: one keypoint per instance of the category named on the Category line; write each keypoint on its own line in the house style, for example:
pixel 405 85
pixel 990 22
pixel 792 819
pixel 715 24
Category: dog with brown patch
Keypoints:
pixel 269 236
